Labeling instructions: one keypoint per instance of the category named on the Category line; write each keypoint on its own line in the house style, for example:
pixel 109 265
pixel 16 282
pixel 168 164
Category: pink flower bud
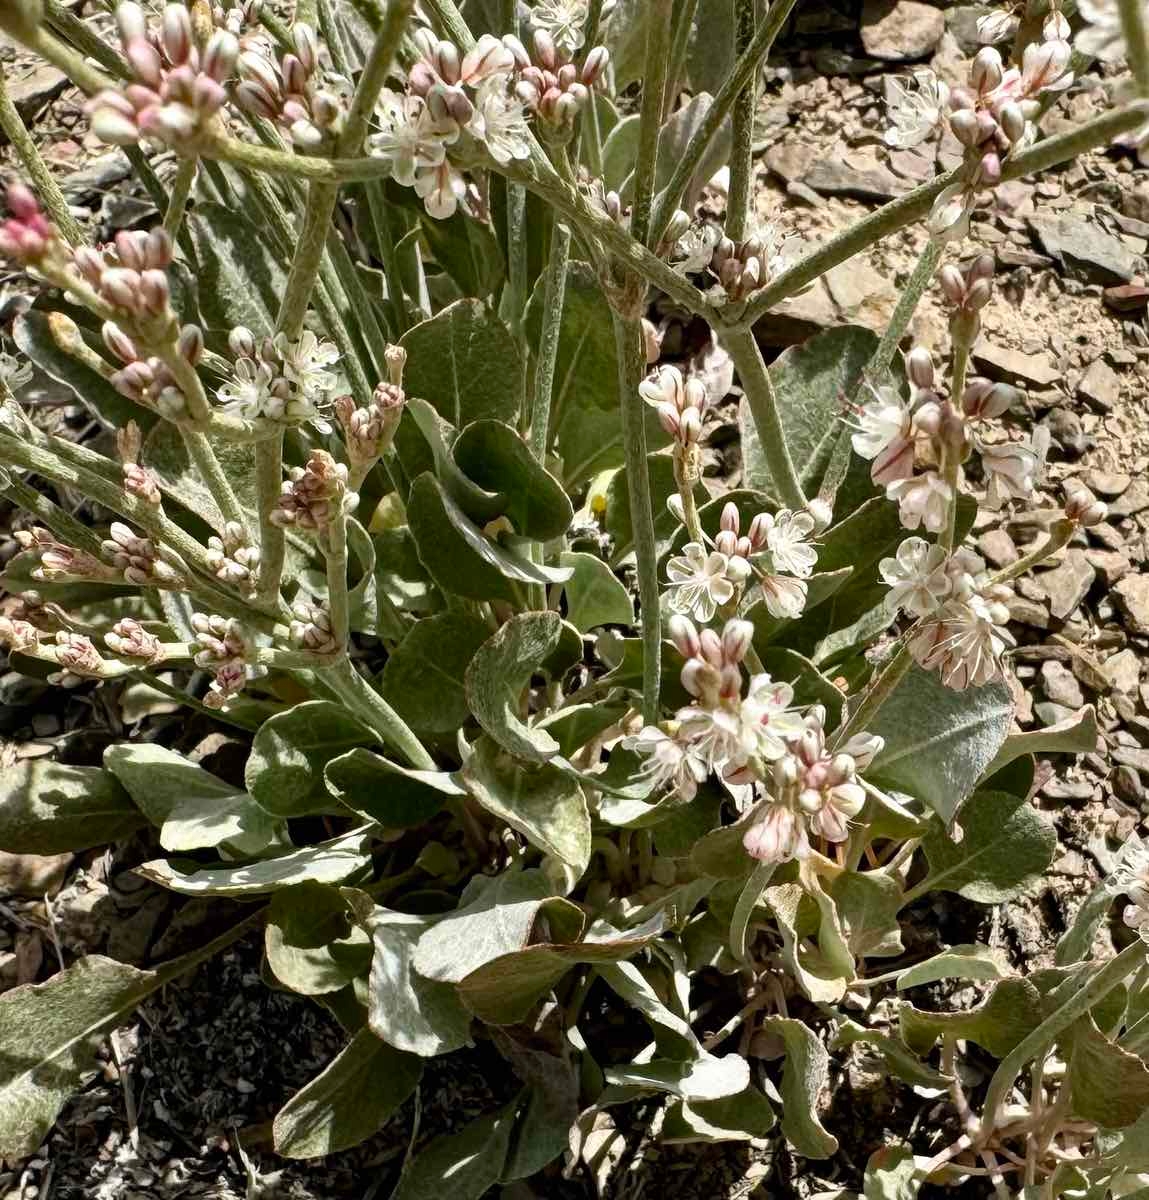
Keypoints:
pixel 737 637
pixel 145 62
pixel 294 75
pixel 172 123
pixel 155 291
pixel 22 203
pixel 1082 506
pixel 254 66
pixel 694 395
pixel 690 427
pixel 980 293
pixel 325 109
pixel 176 33
pixel 730 519
pixel 131 22
pixel 759 529
pixel 566 108
pixel 695 675
pixel 118 342
pixel 545 53
pixel 158 250
pixel 684 636
pixel 1012 121
pixel 487 57
pixel 989 169
pixel 961 99
pixel 253 98
pixel 241 342
pixel 596 63
pixel 985 71
pixel 726 542
pixel 822 513
pixel 952 283
pixel 518 51
pixel 448 62
pixel 920 368
pixel 190 343
pixel 710 648
pixel 221 55
pixel 567 75
pixel 121 287
pixel 112 127
pixel 421 78
pixel 306 46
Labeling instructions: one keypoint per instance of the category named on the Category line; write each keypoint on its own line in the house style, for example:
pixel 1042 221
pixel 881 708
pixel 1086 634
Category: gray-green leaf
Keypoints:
pixel 313 945
pixel 595 595
pixel 805 1078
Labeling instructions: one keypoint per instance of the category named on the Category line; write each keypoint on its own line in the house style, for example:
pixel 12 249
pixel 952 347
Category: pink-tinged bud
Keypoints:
pixel 545 50
pixel 89 262
pixel 155 291
pixel 190 344
pixel 421 78
pixel 751 275
pixel 678 224
pixel 668 419
pixel 22 203
pixel 306 45
pixel 121 287
pixel 1012 121
pixel 989 169
pixel 730 520
pixel 176 33
pixel 294 76
pixel 425 42
pixel 396 359
pixel 612 202
pixel 952 283
pixel 980 293
pixel 241 342
pixel 253 66
pixel 518 51
pixel 158 249
pixel 920 368
pixel 985 71
pixel 684 635
pixel 487 57
pixel 172 123
pixel 726 542
pixel 723 252
pixel 118 342
pixel 965 127
pixel 438 104
pixel 221 55
pixel 112 127
pixel 138 97
pixel 737 637
pixel 927 419
pixel 759 529
pixel 694 395
pixel 131 22
pixel 325 110
pixel 1082 506
pixel 145 62
pixel 459 107
pixel 578 93
pixel 690 427
pixel 696 675
pixel 254 99
pixel 961 99
pixel 596 63
pixel 986 125
pixel 130 250
pixel 567 75
pixel 822 513
pixel 729 682
pixel 751 248
pixel 527 94
pixel 447 61
pixel 710 648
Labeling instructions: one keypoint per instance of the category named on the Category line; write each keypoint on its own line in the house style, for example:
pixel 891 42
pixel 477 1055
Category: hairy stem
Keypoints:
pixel 554 295
pixel 684 12
pixel 76 31
pixel 631 363
pixel 742 154
pixel 952 460
pixel 763 404
pixel 369 707
pixel 1059 535
pixel 875 696
pixel 272 537
pixel 650 122
pixel 203 456
pixel 903 312
pixel 1136 32
pixel 338 601
pixel 180 194
pixel 66 527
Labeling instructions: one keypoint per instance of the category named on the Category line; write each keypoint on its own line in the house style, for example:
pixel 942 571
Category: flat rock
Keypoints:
pixel 1126 297
pixel 1137 758
pixel 790 160
pixel 1123 672
pixel 1011 366
pixel 997 548
pixel 1133 500
pixel 901 30
pixel 33 89
pixel 1107 484
pixel 1060 686
pixel 1048 713
pixel 1029 612
pixel 1127 785
pixel 1056 788
pixel 1100 384
pixel 1132 597
pixel 1068 584
pixel 1111 565
pixel 861 176
pixel 1084 249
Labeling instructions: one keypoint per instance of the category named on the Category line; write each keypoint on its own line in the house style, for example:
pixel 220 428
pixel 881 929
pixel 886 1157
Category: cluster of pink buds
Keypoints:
pixel 232 558
pixel 223 649
pixel 130 274
pixel 139 481
pixel 142 561
pixel 993 116
pixel 147 379
pixel 712 672
pixel 680 403
pixel 368 432
pixel 314 494
pixel 27 236
pixel 311 629
pixel 744 267
pixel 549 84
pixel 968 292
pixel 59 561
pixel 78 659
pixel 297 93
pixel 18 636
pixel 177 87
pixel 129 639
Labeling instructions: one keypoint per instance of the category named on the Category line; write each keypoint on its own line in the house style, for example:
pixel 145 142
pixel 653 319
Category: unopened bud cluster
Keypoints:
pixel 233 558
pixel 369 432
pixel 223 649
pixel 138 480
pixel 315 494
pixel 129 639
pixel 60 562
pixel 311 629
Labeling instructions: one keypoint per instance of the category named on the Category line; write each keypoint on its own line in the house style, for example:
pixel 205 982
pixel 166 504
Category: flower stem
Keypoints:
pixel 203 457
pixel 338 601
pixel 42 179
pixel 658 15
pixel 961 349
pixel 65 526
pixel 1136 33
pixel 554 295
pixel 763 403
pixel 369 707
pixel 1060 534
pixel 631 363
pixel 180 194
pixel 742 119
pixel 272 537
pixel 903 313
pixel 74 30
pixel 685 486
pixel 875 696
pixel 684 12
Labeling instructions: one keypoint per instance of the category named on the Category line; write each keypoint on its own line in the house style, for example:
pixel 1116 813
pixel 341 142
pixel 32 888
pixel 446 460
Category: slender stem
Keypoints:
pixel 903 312
pixel 1136 33
pixel 516 259
pixel 650 122
pixel 554 295
pixel 374 76
pixel 742 121
pixel 875 696
pixel 66 527
pixel 366 704
pixel 203 456
pixel 685 483
pixel 679 45
pixel 1059 535
pixel 180 194
pixel 301 279
pixel 951 454
pixel 42 179
pixel 385 243
pixel 454 26
pixel 1079 1003
pixel 631 363
pixel 763 403
pixel 338 601
pixel 76 31
pixel 272 537
pixel 742 73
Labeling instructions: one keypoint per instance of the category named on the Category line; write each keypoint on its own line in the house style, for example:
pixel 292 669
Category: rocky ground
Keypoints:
pixel 182 1105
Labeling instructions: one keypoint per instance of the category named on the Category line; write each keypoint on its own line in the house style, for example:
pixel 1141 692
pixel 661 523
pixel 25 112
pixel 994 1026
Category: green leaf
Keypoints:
pixel 899 1061
pixel 440 436
pixel 313 945
pixel 938 741
pixel 500 672
pixel 1010 1012
pixel 1005 844
pixel 660 467
pixel 466 249
pixel 503 990
pixel 465 362
pixel 461 1165
pixel 423 678
pixel 822 981
pixel 708 1077
pixel 809 381
pixel 1075 735
pixel 973 961
pixel 868 905
pixel 494 456
pixel 1077 941
pixel 284 771
pixel 399 575
pixel 805 1077
pixel 543 803
pixel 407 1010
pixel 1107 1084
pixel 352 1099
pixel 673 139
pixel 191 807
pixel 574 726
pixel 741 1118
pixel 819 587
pixel 809 684
pixel 891 1174
pixel 595 595
pixel 619 153
pixel 328 862
pixel 49 808
pixel 240 279
pixel 395 796
pixel 32 333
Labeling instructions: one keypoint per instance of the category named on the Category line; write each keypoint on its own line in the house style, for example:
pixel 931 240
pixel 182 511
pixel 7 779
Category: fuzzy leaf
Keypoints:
pixel 805 1077
pixel 939 742
pixel 543 803
pixel 891 1174
pixel 708 1077
pixel 461 1165
pixel 49 808
pixel 407 1010
pixel 899 1061
pixel 619 152
pixel 974 961
pixel 818 978
pixel 1004 844
pixel 868 905
pixel 395 796
pixel 423 678
pixel 1010 1012
pixel 494 456
pixel 192 808
pixel 499 672
pixel 352 1099
pixel 240 280
pixel 1109 1085
pixel 327 862
pixel 165 453
pixel 1075 735
pixel 618 523
pixel 741 1118
pixel 595 595
pixel 284 772
pixel 465 362
pixel 1077 941
pixel 312 943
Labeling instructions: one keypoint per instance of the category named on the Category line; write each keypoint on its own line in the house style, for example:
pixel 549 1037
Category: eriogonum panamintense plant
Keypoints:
pixel 392 442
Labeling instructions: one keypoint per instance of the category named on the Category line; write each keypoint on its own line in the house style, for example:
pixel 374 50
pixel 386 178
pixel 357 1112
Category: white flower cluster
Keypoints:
pixel 775 551
pixel 279 380
pixel 740 268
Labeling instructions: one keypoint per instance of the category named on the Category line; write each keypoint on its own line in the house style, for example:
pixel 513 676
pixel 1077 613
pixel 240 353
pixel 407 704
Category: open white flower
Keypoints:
pixel 784 596
pixel 949 216
pixel 694 250
pixel 787 542
pixel 500 122
pixel 1010 471
pixel 564 20
pixel 669 764
pixel 441 189
pixel 717 736
pixel 923 501
pixel 767 715
pixel 248 393
pixel 915 106
pixel 916 576
pixel 306 363
pixel 995 26
pixel 701 583
pixel 883 434
pixel 1102 36
pixel 409 139
pixel 777 836
pixel 964 642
